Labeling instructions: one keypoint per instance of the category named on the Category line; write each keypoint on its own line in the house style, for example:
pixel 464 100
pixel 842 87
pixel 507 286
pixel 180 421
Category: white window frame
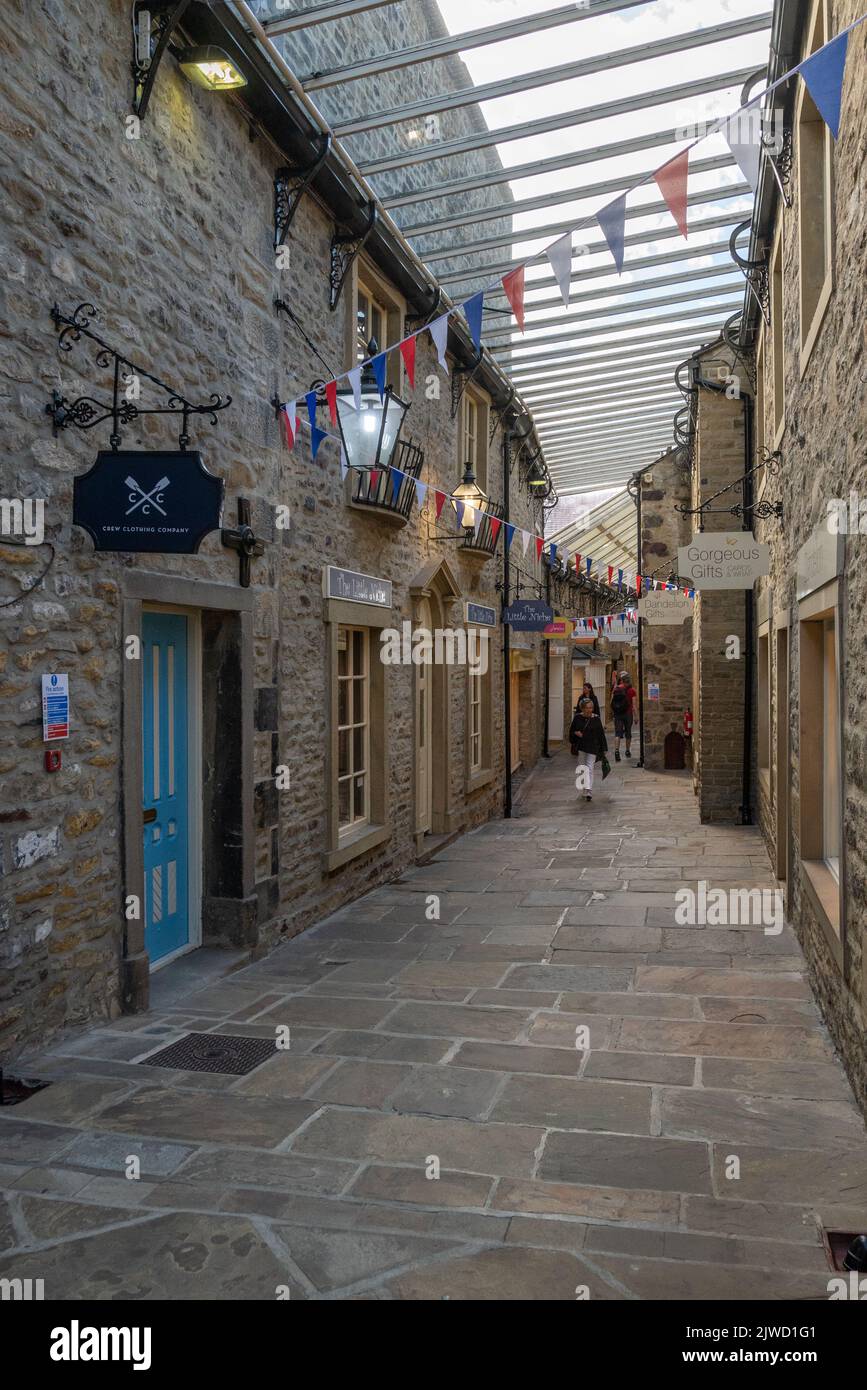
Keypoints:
pixel 346 828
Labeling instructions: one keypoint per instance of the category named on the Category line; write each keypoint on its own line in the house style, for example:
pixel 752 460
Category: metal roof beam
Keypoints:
pixel 556 339
pixel 633 385
pixel 521 235
pixel 561 121
pixel 578 384
pixel 491 211
pixel 532 170
pixel 630 398
pixel 598 248
pixel 682 277
pixel 546 77
pixel 641 418
pixel 463 42
pixel 592 438
pixel 620 349
pixel 608 311
pixel 321 14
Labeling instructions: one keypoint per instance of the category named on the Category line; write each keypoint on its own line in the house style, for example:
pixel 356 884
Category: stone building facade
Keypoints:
pixel 170 235
pixel 801 425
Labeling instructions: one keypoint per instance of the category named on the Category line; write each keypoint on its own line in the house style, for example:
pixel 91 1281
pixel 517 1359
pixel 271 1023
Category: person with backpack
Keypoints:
pixel 622 707
pixel 588 743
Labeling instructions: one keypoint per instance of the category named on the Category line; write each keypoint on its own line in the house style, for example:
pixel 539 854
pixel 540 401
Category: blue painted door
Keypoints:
pixel 165 783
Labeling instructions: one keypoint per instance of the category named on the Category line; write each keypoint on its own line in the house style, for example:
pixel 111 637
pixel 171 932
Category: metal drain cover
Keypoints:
pixel 220 1052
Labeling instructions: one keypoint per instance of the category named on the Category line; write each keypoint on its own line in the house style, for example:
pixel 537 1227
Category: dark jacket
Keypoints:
pixel 587 735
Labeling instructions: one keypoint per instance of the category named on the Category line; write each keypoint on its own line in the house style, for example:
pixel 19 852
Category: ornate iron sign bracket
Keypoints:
pixel 290 185
pixel 162 20
pixel 85 412
pixel 771 463
pixel 345 247
pixel 499 416
pixel 461 378
pixel 416 321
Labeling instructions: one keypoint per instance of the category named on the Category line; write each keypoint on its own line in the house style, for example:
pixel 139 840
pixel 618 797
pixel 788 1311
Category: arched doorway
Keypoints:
pixel 433 590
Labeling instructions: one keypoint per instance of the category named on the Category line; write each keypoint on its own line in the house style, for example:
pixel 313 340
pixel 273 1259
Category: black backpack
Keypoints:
pixel 619 700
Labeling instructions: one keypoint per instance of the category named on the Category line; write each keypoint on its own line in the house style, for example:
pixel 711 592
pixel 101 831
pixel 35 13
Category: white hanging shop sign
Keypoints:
pixel 664 608
pixel 720 560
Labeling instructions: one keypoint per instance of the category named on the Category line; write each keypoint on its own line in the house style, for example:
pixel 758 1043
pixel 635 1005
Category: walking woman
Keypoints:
pixel 588 693
pixel 588 742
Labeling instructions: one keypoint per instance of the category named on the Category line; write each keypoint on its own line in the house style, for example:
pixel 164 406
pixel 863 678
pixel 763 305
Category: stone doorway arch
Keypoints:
pixel 433 591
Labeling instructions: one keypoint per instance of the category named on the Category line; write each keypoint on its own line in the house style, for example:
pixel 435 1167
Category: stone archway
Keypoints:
pixel 433 590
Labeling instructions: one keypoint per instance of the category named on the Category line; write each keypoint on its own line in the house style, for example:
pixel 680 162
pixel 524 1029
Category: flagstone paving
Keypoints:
pixel 613 1102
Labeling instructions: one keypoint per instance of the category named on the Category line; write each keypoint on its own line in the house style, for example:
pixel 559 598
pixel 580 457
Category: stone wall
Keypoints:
pixel 170 236
pixel 666 651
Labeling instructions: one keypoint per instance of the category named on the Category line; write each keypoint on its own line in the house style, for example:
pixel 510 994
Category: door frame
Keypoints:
pixel 557 735
pixel 194 777
pixel 424 676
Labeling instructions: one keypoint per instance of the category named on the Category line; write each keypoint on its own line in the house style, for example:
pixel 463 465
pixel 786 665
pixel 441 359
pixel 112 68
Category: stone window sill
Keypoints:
pixel 476 780
pixel 362 841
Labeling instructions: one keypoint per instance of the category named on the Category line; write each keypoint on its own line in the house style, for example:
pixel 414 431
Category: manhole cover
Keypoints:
pixel 222 1052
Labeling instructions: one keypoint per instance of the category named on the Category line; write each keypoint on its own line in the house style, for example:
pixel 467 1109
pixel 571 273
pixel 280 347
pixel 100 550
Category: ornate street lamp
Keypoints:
pixel 370 434
pixel 474 500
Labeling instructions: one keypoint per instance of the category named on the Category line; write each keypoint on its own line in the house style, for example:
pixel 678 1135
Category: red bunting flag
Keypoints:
pixel 513 284
pixel 374 481
pixel 495 528
pixel 577 564
pixel 407 352
pixel 331 397
pixel 673 179
pixel 289 424
pixel 440 498
pixel 539 544
pixel 638 583
pixel 610 573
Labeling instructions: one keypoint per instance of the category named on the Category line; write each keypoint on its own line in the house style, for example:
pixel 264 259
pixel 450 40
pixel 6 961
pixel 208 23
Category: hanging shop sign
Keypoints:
pixel 55 707
pixel 480 616
pixel 723 560
pixel 357 588
pixel 664 608
pixel 528 615
pixel 558 627
pixel 164 503
pixel 820 559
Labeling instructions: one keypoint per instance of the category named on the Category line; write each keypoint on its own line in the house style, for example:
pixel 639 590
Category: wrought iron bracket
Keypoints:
pixel 499 416
pixel 163 19
pixel 781 162
pixel 461 378
pixel 345 247
pixel 416 321
pixel 290 185
pixel 756 273
pixel 771 462
pixel 85 412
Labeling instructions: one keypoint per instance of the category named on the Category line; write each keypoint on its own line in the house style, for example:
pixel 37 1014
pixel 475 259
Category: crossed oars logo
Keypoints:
pixel 154 497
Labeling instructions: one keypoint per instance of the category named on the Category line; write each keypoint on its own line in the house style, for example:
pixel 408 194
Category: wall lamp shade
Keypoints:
pixel 537 478
pixel 474 500
pixel 211 68
pixel 370 435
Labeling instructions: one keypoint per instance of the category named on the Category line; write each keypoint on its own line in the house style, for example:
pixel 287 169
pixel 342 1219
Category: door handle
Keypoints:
pixel 150 815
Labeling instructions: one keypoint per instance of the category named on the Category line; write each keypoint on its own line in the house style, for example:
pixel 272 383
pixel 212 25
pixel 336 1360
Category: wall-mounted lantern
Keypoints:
pixel 209 67
pixel 472 496
pixel 370 435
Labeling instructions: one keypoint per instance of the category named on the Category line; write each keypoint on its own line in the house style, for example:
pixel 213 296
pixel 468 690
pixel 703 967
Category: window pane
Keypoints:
pixel 360 783
pixel 358 665
pixel 342 706
pixel 343 753
pixel 359 763
pixel 343 802
pixel 358 701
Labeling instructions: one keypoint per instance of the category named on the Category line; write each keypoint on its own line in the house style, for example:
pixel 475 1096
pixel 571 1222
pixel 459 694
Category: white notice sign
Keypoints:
pixel 664 608
pixel 723 560
pixel 820 559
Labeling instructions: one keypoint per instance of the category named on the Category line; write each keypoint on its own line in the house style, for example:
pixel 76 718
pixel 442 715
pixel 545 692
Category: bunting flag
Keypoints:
pixel 316 438
pixel 823 74
pixel 610 575
pixel 473 310
pixel 513 284
pixel 420 493
pixel 331 397
pixel 355 382
pixel 289 420
pixel 374 481
pixel 620 581
pixel 379 366
pixel 439 331
pixel 539 544
pixel 495 527
pixel 559 253
pixel 742 135
pixel 397 476
pixel 407 352
pixel 459 511
pixel 510 536
pixel 439 498
pixel 638 583
pixel 552 553
pixel 589 562
pixel 525 541
pixel 612 220
pixel 672 180
pixel 577 564
pixel 310 398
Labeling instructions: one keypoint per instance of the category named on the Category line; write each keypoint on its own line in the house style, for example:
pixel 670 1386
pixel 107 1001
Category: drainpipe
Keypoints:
pixel 545 751
pixel 507 683
pixel 749 623
pixel 640 481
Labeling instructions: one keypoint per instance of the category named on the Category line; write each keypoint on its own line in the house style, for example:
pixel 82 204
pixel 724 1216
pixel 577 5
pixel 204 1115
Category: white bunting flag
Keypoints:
pixel 439 331
pixel 741 133
pixel 559 253
pixel 420 494
pixel 525 541
pixel 355 382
